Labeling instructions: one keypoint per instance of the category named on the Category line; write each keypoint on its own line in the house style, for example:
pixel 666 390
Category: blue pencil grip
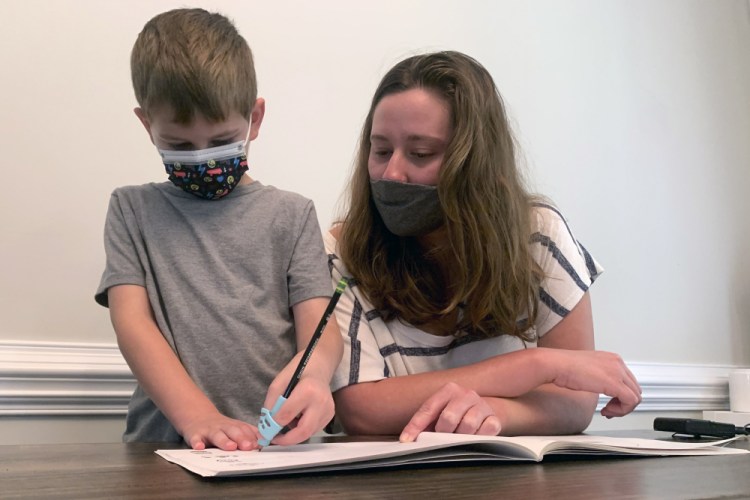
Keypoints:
pixel 267 425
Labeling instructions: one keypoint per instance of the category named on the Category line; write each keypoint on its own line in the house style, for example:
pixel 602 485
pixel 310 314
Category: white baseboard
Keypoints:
pixel 45 378
pixel 674 387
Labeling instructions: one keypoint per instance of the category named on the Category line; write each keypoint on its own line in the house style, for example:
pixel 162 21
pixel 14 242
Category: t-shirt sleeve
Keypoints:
pixel 569 269
pixel 123 265
pixel 308 276
pixel 362 360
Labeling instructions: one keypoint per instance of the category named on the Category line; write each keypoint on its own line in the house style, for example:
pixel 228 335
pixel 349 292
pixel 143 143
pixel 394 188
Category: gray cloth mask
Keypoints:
pixel 407 209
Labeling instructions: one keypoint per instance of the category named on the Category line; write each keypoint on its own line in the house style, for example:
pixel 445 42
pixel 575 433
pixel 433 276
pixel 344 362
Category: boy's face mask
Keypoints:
pixel 209 173
pixel 407 209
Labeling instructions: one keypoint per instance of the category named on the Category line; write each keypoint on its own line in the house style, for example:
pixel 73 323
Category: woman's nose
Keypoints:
pixel 396 170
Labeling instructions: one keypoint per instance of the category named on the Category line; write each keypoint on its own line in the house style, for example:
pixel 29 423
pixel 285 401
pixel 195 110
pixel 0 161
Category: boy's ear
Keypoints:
pixel 256 117
pixel 144 120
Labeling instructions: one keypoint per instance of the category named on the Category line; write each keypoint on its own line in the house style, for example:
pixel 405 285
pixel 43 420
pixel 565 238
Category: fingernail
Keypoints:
pixel 406 437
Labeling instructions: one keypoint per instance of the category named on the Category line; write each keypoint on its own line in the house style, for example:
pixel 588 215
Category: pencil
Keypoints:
pixel 316 336
pixel 267 426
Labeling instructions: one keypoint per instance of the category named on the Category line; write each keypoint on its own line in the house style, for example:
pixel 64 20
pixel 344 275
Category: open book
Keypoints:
pixel 429 448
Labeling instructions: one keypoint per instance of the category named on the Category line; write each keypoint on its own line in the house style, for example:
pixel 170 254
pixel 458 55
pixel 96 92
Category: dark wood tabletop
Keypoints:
pixel 135 471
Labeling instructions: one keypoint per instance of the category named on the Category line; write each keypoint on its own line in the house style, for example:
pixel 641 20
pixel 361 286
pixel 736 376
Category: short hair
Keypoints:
pixel 486 205
pixel 192 60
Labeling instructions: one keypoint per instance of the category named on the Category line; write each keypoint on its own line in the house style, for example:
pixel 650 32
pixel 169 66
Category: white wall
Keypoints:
pixel 634 117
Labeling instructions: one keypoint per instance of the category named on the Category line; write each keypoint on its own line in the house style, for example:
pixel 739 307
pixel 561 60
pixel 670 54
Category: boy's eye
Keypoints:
pixel 222 142
pixel 181 146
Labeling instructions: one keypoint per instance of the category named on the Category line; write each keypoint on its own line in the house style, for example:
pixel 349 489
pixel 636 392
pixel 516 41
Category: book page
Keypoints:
pixel 430 447
pixel 213 461
pixel 588 444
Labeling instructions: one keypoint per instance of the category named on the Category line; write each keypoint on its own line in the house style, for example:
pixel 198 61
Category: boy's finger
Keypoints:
pixel 220 440
pixel 300 429
pixel 288 412
pixel 242 436
pixel 196 442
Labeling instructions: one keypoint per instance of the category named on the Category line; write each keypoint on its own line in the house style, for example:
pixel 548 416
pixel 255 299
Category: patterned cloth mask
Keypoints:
pixel 209 173
pixel 407 209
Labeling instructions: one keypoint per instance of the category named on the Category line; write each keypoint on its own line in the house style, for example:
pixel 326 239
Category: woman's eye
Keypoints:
pixel 421 154
pixel 381 152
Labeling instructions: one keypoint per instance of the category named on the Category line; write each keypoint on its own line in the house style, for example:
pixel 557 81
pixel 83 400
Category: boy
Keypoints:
pixel 213 280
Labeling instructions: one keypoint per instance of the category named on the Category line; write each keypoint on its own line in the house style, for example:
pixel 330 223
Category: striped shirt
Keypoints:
pixel 375 349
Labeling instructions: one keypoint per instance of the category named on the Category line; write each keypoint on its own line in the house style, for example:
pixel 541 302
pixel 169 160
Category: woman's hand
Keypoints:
pixel 599 372
pixel 455 409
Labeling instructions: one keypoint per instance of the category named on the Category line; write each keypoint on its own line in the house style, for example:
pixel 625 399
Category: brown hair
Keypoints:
pixel 191 60
pixel 486 206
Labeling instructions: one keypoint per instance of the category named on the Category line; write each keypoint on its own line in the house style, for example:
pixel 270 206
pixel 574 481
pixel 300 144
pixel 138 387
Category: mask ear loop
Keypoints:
pixel 246 142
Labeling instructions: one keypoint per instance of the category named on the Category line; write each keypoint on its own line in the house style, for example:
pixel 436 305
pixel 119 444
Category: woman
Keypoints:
pixel 458 271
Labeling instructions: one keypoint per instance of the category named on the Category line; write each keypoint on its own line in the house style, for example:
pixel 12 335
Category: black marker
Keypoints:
pixel 697 428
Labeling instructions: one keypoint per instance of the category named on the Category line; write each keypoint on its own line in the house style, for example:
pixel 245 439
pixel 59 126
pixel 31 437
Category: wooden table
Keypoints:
pixel 134 471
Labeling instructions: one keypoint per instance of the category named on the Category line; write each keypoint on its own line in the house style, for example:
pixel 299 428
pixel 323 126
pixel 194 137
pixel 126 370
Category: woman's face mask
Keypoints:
pixel 407 209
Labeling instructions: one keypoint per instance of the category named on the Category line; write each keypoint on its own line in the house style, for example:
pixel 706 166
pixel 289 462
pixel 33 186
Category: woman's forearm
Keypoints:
pixel 385 406
pixel 546 410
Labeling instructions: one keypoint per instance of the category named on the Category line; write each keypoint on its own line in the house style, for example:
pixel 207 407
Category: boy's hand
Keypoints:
pixel 453 408
pixel 221 432
pixel 309 408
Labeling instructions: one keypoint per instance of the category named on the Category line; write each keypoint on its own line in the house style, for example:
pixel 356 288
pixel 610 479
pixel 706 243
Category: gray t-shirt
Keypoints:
pixel 221 277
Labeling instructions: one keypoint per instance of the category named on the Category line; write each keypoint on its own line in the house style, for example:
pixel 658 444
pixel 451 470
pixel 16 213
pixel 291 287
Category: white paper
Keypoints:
pixel 430 447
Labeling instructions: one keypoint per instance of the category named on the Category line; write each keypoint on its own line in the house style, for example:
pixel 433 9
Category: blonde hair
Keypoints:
pixel 486 207
pixel 191 60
